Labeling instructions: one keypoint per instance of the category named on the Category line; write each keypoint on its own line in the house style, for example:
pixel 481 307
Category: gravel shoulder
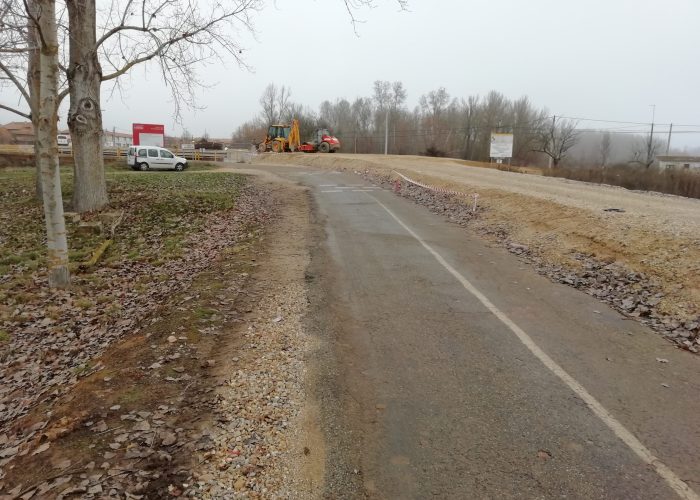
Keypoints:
pixel 266 442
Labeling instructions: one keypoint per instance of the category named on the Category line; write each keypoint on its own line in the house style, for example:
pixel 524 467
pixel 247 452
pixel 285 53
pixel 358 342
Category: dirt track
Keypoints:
pixel 656 234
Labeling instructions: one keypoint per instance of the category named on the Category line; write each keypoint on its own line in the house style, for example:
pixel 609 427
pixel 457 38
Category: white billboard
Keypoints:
pixel 501 145
pixel 151 140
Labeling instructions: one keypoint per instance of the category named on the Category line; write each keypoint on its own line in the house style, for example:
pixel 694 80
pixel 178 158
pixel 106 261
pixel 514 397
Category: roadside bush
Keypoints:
pixel 672 181
pixel 434 152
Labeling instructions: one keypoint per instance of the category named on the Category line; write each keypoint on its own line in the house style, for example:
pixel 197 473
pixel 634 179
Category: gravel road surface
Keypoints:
pixel 665 212
pixel 654 234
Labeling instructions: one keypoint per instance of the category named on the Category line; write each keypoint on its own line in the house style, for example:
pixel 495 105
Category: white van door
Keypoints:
pixel 142 157
pixel 167 159
pixel 131 157
pixel 154 158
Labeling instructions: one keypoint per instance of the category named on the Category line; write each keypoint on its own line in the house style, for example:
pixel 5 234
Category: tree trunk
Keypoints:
pixel 33 76
pixel 47 130
pixel 85 114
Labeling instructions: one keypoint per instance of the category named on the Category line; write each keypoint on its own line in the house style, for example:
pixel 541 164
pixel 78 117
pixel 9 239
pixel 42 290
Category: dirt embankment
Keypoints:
pixel 560 220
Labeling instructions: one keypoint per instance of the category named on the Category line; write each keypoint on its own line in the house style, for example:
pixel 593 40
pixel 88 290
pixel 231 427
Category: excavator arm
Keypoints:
pixel 294 139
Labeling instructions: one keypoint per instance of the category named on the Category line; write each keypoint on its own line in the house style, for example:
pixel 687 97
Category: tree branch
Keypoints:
pixel 16 111
pixel 116 30
pixel 163 46
pixel 130 65
pixel 17 83
pixel 16 50
pixel 62 95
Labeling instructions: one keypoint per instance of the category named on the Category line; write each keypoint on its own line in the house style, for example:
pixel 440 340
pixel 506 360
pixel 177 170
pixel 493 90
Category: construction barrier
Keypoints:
pixel 397 188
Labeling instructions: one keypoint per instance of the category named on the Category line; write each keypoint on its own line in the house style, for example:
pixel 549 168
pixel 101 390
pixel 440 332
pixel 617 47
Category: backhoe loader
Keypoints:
pixel 287 138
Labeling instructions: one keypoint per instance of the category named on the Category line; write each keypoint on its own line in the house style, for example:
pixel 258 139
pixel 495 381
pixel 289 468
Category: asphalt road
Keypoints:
pixel 450 369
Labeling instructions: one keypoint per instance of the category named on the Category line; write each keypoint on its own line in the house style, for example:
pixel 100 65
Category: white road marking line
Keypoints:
pixel 327 185
pixel 675 483
pixel 362 190
pixel 333 191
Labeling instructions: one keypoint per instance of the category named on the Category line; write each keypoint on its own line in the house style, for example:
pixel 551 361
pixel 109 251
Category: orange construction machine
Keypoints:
pixel 286 138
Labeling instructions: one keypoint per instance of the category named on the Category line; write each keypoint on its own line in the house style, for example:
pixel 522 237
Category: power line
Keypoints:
pixel 607 121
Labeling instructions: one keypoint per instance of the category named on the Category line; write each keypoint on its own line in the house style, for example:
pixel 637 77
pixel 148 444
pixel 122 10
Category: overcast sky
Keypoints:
pixel 602 59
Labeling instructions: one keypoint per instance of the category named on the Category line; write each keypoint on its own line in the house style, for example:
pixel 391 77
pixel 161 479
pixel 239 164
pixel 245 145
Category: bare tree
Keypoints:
pixel 362 114
pixel 433 104
pixel 268 102
pixel 17 31
pixel 556 139
pixel 84 74
pixel 523 117
pixel 283 96
pixel 382 95
pixel 644 151
pixel 19 64
pixel 398 95
pixel 275 103
pixel 29 61
pixel 47 132
pixel 353 5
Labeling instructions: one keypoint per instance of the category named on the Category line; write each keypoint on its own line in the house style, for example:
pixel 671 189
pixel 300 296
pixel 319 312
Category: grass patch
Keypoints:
pixel 163 212
pixel 132 396
pixel 4 336
pixel 84 303
pixel 204 312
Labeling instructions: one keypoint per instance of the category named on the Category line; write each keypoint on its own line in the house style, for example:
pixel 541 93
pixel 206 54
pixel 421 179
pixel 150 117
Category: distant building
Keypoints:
pixel 679 162
pixel 21 133
pixel 111 139
pixel 5 136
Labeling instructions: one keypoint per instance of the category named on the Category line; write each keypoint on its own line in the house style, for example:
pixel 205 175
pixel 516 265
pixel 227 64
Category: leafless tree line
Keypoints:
pixel 440 124
pixel 447 126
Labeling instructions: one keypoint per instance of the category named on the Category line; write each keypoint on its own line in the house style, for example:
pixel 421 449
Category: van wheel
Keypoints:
pixel 179 167
pixel 143 167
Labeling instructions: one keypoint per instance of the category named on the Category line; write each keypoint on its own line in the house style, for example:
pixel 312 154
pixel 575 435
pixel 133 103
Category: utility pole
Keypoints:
pixel 668 144
pixel 386 133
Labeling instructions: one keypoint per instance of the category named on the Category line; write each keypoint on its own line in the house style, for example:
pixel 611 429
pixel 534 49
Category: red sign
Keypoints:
pixel 153 134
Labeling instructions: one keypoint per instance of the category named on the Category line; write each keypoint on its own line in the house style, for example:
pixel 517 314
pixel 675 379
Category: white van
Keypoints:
pixel 154 157
pixel 63 140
